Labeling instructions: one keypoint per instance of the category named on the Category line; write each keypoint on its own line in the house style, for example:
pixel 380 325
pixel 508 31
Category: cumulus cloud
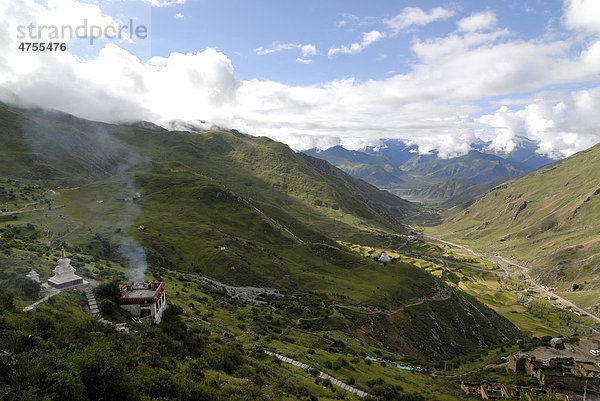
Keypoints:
pixel 414 16
pixel 179 16
pixel 582 15
pixel 561 127
pixel 477 22
pixel 308 50
pixel 368 38
pixel 303 61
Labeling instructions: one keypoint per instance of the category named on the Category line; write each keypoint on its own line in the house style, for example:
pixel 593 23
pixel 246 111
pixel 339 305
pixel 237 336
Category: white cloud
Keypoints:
pixel 303 60
pixel 410 16
pixel 476 22
pixel 582 15
pixel 179 16
pixel 433 104
pixel 275 47
pixel 308 50
pixel 562 127
pixel 351 21
pixel 414 16
pixel 163 3
pixel 368 38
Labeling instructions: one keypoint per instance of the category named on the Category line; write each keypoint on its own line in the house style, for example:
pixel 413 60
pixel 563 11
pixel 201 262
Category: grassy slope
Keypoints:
pixel 186 218
pixel 65 151
pixel 398 209
pixel 179 234
pixel 548 218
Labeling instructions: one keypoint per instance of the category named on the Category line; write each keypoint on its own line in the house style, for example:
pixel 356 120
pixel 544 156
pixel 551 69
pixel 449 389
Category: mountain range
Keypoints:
pixel 399 168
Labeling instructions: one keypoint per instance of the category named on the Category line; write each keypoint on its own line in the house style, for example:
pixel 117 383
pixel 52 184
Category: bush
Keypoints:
pixel 226 357
pixel 30 288
pixel 104 373
pixel 385 392
pixel 375 382
pixel 7 301
pixel 108 307
pixel 108 290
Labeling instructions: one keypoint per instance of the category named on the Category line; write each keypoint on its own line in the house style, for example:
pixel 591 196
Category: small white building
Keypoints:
pixel 147 303
pixel 556 341
pixel 384 257
pixel 33 276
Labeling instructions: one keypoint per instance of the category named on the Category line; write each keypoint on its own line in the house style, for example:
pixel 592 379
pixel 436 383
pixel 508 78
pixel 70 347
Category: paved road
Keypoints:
pixel 524 270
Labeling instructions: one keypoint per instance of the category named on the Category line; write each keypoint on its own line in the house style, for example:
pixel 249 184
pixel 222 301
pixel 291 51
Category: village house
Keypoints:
pixel 147 303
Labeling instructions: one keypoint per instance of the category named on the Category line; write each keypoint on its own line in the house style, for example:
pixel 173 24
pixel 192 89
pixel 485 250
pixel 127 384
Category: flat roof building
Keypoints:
pixel 147 303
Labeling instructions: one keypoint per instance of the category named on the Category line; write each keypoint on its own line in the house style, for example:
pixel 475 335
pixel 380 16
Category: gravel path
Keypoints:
pixel 249 294
pixel 499 260
pixel 322 375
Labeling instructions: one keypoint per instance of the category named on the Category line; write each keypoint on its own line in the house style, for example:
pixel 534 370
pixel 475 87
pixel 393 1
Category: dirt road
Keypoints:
pixel 522 269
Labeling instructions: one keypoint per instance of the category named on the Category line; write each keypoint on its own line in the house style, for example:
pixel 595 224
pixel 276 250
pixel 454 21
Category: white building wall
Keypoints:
pixel 156 309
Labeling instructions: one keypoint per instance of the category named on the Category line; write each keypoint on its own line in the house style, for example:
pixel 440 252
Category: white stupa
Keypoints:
pixel 384 257
pixel 64 274
pixel 33 276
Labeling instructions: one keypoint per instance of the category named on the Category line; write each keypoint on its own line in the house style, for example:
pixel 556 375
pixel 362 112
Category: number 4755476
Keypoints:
pixel 40 47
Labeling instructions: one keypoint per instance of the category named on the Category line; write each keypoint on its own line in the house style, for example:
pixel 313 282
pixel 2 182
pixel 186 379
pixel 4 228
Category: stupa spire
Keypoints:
pixel 64 254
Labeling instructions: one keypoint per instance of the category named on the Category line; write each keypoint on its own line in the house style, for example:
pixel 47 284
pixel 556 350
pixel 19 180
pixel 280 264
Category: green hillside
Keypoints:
pixel 548 219
pixel 66 151
pixel 260 252
pixel 277 214
pixel 241 210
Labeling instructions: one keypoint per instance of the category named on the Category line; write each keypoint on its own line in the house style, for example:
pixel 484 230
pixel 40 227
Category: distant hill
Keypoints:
pixel 548 218
pixel 474 166
pixel 398 167
pixel 439 192
pixel 373 168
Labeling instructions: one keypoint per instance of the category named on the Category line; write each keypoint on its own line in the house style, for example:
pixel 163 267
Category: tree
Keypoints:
pixel 109 290
pixel 7 302
pixel 104 373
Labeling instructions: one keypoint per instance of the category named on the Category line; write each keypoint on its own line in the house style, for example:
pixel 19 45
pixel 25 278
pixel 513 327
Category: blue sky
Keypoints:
pixel 238 27
pixel 321 73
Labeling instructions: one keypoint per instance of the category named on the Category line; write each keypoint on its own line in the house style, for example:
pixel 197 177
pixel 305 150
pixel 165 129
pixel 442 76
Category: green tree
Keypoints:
pixel 104 373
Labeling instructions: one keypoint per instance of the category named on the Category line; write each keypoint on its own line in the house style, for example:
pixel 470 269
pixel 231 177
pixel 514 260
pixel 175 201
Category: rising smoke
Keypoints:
pixel 82 152
pixel 136 259
pixel 129 248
